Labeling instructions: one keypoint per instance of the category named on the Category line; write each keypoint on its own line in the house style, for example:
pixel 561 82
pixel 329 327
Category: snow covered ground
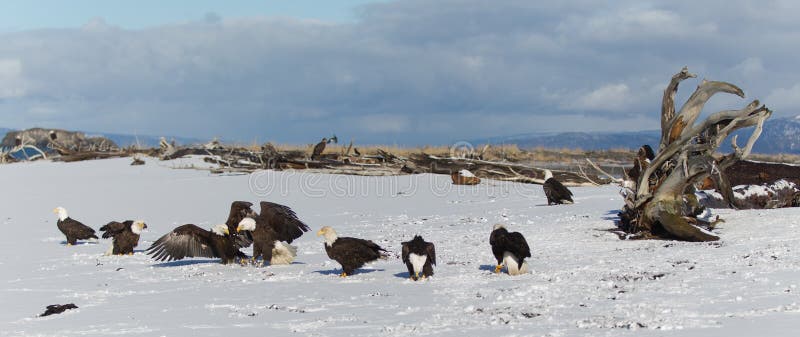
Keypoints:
pixel 585 281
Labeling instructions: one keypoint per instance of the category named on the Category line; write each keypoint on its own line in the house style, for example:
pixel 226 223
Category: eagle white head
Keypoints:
pixel 138 226
pixel 329 234
pixel 547 174
pixel 498 226
pixel 220 230
pixel 62 213
pixel 247 224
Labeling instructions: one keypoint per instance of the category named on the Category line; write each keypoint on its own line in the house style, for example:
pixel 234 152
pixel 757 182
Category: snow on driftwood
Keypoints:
pixel 781 193
pixel 583 280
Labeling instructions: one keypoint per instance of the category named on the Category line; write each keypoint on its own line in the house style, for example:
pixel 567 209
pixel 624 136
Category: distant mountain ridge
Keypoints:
pixel 780 135
pixel 579 140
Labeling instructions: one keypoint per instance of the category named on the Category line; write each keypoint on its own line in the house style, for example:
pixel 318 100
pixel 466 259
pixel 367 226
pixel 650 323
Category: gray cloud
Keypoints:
pixel 407 71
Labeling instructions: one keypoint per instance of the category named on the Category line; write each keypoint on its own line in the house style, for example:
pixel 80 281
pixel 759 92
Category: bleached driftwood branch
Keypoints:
pixel 686 156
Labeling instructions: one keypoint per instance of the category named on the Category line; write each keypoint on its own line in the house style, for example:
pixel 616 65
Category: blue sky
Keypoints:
pixel 405 72
pixel 36 14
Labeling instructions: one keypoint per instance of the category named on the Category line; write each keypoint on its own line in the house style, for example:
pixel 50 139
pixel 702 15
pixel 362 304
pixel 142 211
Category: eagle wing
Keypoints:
pixel 431 250
pixel 77 229
pixel 406 251
pixel 183 241
pixel 556 190
pixel 517 244
pixel 113 228
pixel 282 220
pixel 358 249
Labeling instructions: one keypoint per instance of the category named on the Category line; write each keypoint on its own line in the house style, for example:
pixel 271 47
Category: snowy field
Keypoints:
pixel 585 281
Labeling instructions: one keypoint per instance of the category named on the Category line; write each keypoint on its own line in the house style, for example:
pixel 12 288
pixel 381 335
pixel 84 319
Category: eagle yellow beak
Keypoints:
pixel 55 210
pixel 320 232
pixel 227 232
pixel 238 228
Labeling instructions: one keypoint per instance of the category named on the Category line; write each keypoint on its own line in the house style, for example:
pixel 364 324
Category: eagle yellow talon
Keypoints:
pixel 498 268
pixel 343 275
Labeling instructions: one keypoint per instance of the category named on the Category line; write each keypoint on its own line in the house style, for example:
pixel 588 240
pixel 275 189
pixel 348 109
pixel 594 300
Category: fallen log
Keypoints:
pixel 80 156
pixel 424 163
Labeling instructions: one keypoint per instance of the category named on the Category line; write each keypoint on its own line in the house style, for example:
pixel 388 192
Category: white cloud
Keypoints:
pixel 623 24
pixel 11 81
pixel 785 100
pixel 609 97
pixel 750 67
pixel 383 123
pixel 400 64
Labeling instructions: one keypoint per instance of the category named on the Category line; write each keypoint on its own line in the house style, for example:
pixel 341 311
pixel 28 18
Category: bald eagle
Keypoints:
pixel 419 257
pixel 351 253
pixel 319 148
pixel 239 210
pixel 125 236
pixel 510 249
pixel 192 241
pixel 276 223
pixel 647 152
pixel 265 245
pixel 642 161
pixel 73 229
pixel 556 192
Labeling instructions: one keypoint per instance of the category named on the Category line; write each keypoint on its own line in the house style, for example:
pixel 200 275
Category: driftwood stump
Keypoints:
pixel 660 201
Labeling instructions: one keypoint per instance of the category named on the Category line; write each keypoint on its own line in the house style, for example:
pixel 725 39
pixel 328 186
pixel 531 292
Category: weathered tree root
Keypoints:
pixel 655 205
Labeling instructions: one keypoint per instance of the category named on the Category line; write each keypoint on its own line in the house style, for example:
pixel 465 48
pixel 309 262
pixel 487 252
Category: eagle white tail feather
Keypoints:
pixel 513 266
pixel 417 262
pixel 283 253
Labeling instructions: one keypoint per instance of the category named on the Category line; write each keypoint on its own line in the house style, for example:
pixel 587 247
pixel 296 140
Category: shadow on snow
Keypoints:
pixel 487 267
pixel 339 271
pixel 80 243
pixel 184 263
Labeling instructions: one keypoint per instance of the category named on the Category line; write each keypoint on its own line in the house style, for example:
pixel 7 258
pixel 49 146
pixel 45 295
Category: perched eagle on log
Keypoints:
pixel 419 257
pixel 73 229
pixel 351 253
pixel 555 191
pixel 319 148
pixel 642 161
pixel 124 235
pixel 275 224
pixel 510 249
pixel 192 241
